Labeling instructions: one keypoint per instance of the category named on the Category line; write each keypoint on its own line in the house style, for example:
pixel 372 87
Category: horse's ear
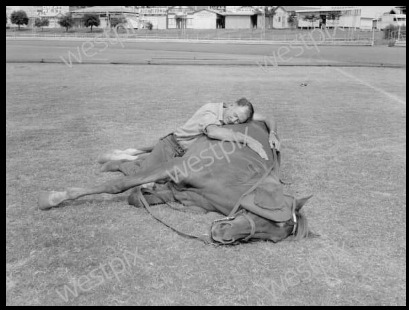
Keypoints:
pixel 301 202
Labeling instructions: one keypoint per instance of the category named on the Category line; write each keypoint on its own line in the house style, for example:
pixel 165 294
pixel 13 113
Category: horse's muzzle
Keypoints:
pixel 221 232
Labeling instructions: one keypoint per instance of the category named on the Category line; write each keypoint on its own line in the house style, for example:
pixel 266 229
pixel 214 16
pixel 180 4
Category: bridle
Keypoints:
pixel 204 238
pixel 245 214
pixel 231 218
pixel 294 217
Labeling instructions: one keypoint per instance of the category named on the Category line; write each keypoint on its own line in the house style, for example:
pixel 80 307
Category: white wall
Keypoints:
pixel 389 19
pixel 204 20
pixel 280 19
pixel 238 22
pixel 366 23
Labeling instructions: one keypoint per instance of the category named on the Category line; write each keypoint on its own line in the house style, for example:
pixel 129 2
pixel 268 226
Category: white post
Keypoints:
pixel 264 22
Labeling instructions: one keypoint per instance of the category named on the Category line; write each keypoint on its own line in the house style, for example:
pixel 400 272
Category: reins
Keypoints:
pixel 139 193
pixel 207 238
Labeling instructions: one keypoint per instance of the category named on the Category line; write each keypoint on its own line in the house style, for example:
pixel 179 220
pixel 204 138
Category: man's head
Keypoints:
pixel 238 112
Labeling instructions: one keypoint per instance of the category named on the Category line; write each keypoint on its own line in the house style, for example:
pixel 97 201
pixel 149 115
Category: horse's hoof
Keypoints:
pixel 111 166
pixel 115 155
pixel 47 200
pixel 134 200
pixel 103 158
pixel 44 201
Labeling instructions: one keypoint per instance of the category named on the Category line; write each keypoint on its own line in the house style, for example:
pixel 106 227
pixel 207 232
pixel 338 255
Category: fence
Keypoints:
pixel 401 39
pixel 296 36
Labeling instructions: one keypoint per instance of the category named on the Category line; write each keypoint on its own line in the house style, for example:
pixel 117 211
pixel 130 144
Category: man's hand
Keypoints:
pixel 274 142
pixel 256 146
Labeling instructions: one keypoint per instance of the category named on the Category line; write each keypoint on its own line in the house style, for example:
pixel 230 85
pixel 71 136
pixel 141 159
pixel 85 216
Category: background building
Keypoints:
pixel 180 17
pixel 230 17
pixel 244 17
pixel 105 13
pixel 157 16
pixel 392 19
pixel 32 13
pixel 330 17
pixel 50 10
pixel 207 19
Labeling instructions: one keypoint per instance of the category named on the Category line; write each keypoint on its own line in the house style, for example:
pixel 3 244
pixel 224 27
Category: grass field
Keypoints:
pixel 123 52
pixel 343 140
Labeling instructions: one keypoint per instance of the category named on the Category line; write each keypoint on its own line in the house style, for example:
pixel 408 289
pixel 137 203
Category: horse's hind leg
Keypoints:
pixel 52 199
pixel 161 196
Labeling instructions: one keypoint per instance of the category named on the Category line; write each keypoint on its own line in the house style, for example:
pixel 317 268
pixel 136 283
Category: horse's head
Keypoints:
pixel 247 225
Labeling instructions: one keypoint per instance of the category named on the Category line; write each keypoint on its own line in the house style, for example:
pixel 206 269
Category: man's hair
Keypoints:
pixel 243 102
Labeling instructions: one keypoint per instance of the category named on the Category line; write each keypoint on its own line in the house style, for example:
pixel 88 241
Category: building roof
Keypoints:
pixel 209 10
pixel 295 8
pixel 182 8
pixel 153 11
pixel 104 9
pixel 238 13
pixel 51 15
pixel 309 10
pixel 242 10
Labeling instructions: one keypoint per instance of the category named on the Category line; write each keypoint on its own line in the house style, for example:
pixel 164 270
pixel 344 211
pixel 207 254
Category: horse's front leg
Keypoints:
pixel 51 199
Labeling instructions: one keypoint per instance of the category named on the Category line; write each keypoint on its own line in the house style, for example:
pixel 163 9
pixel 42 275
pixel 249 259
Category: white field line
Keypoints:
pixel 383 92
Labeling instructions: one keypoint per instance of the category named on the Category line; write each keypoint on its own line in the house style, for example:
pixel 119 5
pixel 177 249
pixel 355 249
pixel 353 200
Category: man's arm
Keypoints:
pixel 224 134
pixel 270 122
pixel 272 128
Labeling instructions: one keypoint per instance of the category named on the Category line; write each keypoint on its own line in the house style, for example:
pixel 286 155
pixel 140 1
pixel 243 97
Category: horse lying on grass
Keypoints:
pixel 224 177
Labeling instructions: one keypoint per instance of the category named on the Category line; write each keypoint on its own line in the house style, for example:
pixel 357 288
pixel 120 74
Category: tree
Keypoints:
pixel 311 18
pixel 270 12
pixel 292 19
pixel 148 25
pixel 115 21
pixel 41 22
pixel 402 9
pixel 335 15
pixel 91 20
pixel 66 21
pixel 19 18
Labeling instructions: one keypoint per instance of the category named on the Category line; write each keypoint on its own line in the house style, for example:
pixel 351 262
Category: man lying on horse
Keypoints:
pixel 241 173
pixel 208 120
